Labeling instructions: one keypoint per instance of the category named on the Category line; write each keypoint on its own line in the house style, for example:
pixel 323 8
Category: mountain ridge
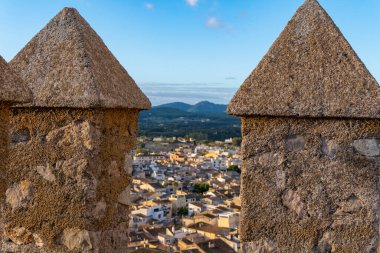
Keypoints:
pixel 202 121
pixel 200 107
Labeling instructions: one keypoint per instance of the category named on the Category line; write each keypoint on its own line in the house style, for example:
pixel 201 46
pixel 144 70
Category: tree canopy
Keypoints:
pixel 201 188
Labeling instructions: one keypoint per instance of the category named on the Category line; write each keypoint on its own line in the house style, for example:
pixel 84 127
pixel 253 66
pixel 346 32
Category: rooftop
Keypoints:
pixel 215 246
pixel 201 226
pixel 156 185
pixel 208 215
pixel 191 251
pixel 145 250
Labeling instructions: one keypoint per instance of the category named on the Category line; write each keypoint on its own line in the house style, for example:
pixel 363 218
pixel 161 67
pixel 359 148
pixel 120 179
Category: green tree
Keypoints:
pixel 197 136
pixel 236 141
pixel 201 188
pixel 142 151
pixel 234 168
pixel 183 211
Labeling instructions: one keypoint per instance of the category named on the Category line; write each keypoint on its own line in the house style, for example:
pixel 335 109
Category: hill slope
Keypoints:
pixel 207 107
pixel 203 121
pixel 201 107
pixel 176 105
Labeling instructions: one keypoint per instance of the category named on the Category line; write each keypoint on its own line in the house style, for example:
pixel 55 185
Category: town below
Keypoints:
pixel 185 195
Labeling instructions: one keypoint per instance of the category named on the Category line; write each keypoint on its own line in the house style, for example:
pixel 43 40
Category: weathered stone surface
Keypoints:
pixel 68 65
pixel 100 210
pixel 20 136
pixel 75 170
pixel 19 195
pixel 260 246
pixel 128 163
pixel 75 161
pixel 295 143
pixel 367 147
pixel 76 239
pixel 311 70
pixel 329 147
pixel 324 245
pixel 124 197
pixel 38 241
pixel 310 148
pixel 12 88
pixel 74 134
pixel 46 172
pixel 292 200
pixel 311 201
pixel 270 159
pixel 68 146
pixel 18 235
pixel 4 140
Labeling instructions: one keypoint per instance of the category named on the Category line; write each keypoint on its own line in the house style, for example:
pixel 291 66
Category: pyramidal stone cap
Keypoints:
pixel 310 71
pixel 12 88
pixel 68 65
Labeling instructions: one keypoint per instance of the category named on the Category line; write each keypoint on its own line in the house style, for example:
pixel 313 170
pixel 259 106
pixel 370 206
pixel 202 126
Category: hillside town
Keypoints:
pixel 185 196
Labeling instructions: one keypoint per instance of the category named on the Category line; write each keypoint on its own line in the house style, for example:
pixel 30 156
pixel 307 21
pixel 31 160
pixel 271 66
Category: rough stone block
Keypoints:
pixel 63 183
pixel 323 197
pixel 4 121
pixel 311 136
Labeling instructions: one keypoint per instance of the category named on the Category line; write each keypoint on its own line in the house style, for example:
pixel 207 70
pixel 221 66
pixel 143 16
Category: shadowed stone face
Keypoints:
pixel 323 194
pixel 12 90
pixel 4 140
pixel 63 183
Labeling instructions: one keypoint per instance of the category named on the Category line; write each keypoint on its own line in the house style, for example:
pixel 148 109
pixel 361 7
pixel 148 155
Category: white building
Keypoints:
pixel 138 220
pixel 146 159
pixel 158 175
pixel 153 212
pixel 195 208
pixel 178 201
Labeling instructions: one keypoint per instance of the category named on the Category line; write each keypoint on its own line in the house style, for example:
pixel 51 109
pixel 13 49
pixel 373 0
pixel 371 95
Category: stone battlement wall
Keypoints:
pixel 66 178
pixel 311 143
pixel 66 145
pixel 310 185
pixel 4 142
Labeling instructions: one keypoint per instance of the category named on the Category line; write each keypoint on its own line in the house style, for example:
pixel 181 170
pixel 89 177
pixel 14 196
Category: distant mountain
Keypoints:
pixel 163 113
pixel 201 107
pixel 202 121
pixel 208 107
pixel 176 105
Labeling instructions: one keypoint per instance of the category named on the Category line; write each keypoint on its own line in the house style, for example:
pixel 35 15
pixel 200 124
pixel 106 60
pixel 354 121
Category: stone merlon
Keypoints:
pixel 310 71
pixel 12 88
pixel 68 65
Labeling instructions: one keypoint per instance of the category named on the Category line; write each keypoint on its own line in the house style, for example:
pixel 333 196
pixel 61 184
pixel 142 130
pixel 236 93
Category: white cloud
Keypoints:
pixel 192 3
pixel 213 22
pixel 149 6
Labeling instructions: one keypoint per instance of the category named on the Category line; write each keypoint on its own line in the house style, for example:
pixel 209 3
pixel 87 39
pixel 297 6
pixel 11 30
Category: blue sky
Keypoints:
pixel 190 50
